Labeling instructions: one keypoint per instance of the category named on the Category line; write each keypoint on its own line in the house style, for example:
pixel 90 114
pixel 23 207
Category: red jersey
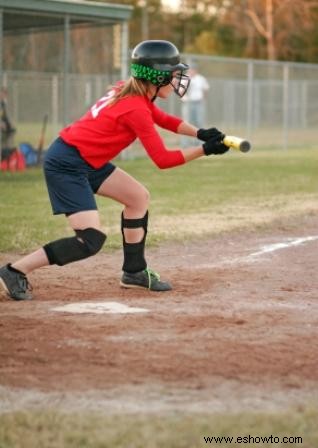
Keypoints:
pixel 106 129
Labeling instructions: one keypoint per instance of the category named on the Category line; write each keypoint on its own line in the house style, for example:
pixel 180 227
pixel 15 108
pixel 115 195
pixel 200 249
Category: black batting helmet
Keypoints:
pixel 155 61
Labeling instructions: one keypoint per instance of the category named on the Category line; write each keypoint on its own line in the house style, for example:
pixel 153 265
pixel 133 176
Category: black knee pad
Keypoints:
pixel 134 224
pixel 86 243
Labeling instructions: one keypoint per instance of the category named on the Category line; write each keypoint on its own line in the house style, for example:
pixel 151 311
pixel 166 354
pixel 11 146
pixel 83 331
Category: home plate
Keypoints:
pixel 99 308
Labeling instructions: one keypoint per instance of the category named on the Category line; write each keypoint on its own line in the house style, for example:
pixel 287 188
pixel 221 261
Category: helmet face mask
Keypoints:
pixel 158 61
pixel 180 84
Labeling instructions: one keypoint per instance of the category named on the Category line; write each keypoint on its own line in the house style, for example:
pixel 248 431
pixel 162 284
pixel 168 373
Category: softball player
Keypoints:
pixel 78 165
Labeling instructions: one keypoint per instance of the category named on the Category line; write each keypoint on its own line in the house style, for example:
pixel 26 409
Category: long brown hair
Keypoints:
pixel 131 87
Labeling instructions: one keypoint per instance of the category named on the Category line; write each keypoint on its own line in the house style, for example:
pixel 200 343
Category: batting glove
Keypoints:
pixel 206 134
pixel 215 146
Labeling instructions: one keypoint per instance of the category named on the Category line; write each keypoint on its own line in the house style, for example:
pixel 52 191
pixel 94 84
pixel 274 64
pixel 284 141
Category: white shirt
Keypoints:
pixel 198 86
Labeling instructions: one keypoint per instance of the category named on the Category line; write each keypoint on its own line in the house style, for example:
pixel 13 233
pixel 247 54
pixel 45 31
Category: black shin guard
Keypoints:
pixel 134 253
pixel 87 242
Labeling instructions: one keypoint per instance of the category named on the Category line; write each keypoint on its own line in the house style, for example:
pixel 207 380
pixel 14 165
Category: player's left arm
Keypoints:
pixel 149 137
pixel 165 120
pixel 175 124
pixel 188 129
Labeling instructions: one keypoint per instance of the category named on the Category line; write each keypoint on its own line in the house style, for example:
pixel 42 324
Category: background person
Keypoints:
pixel 78 165
pixel 7 129
pixel 193 103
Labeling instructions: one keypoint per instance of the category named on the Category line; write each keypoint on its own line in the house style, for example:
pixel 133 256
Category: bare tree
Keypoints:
pixel 279 22
pixel 264 27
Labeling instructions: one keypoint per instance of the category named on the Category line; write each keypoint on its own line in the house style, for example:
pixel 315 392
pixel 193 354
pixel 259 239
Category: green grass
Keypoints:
pixel 204 197
pixel 52 429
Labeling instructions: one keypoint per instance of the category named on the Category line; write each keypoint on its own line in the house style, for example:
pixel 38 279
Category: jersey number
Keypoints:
pixel 101 104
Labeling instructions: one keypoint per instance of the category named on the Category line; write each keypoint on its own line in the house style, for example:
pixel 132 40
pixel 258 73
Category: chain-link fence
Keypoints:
pixel 273 104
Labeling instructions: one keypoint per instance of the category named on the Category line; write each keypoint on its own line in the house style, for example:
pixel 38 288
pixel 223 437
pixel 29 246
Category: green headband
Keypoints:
pixel 148 73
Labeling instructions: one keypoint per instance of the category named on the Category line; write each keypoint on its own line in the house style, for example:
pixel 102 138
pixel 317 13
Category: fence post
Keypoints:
pixel 250 87
pixel 55 103
pixel 67 50
pixel 304 104
pixel 1 69
pixel 124 50
pixel 124 67
pixel 285 104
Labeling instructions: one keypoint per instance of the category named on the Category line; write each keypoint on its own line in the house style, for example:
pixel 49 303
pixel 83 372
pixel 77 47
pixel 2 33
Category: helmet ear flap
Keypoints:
pixel 163 80
pixel 160 78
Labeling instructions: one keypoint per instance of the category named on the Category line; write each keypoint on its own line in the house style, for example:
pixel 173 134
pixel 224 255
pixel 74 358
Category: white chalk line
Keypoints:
pixel 283 245
pixel 120 308
pixel 264 250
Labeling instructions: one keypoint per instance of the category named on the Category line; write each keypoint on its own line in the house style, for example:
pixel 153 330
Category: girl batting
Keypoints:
pixel 79 165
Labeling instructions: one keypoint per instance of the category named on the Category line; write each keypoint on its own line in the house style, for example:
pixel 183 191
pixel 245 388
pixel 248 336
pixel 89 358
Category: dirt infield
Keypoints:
pixel 238 331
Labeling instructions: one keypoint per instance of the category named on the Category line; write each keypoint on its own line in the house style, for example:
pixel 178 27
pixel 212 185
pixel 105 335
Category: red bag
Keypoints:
pixel 15 162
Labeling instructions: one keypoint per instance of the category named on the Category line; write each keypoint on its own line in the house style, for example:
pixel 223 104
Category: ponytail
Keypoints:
pixel 131 87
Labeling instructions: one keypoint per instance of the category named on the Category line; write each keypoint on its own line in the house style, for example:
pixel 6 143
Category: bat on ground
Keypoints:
pixel 240 144
pixel 41 139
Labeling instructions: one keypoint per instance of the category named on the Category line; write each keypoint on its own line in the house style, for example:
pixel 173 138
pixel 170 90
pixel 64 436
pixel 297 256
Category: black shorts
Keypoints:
pixel 72 182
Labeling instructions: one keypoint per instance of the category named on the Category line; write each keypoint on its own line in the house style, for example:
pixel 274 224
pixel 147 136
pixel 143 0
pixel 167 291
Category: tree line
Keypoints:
pixel 260 29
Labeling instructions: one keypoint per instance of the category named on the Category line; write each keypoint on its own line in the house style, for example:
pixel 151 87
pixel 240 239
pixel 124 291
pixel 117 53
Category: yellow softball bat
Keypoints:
pixel 240 144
